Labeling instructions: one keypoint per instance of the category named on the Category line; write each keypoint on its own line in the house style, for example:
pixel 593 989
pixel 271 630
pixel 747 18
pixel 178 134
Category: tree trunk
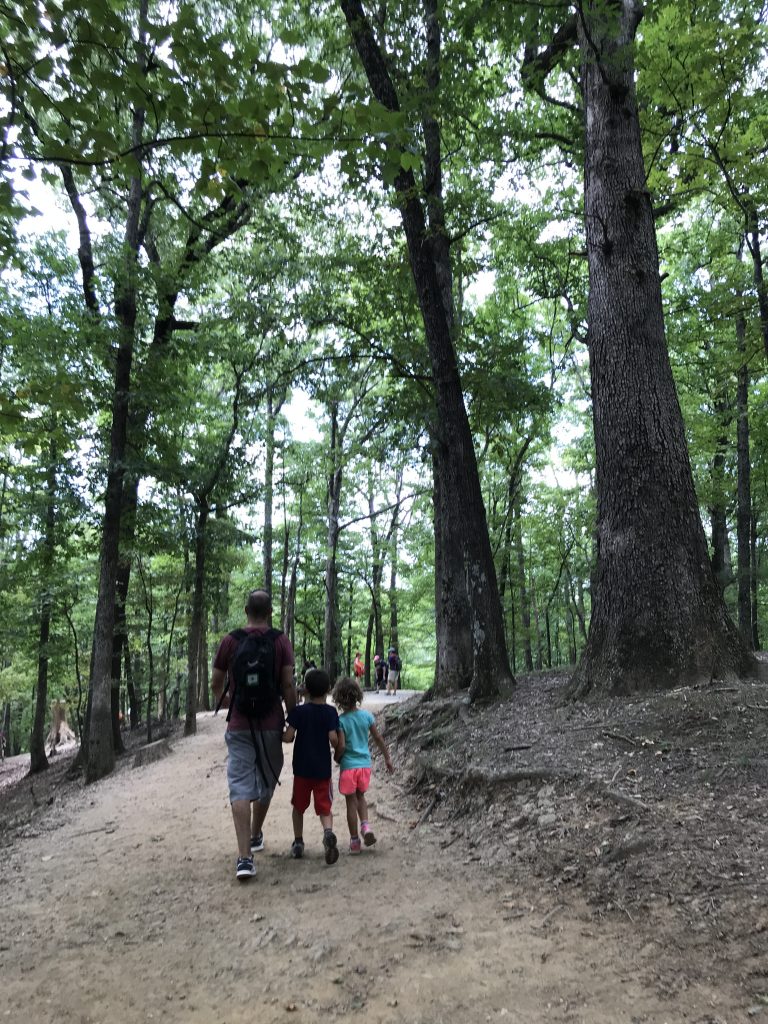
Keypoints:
pixel 755 570
pixel 348 665
pixel 658 619
pixel 130 504
pixel 394 639
pixel 525 604
pixel 368 649
pixel 196 619
pixel 743 491
pixel 203 691
pixel 427 252
pixel 269 473
pixel 38 760
pixel 134 697
pixel 753 242
pixel 376 628
pixel 536 624
pixel 332 634
pixel 453 621
pixel 721 549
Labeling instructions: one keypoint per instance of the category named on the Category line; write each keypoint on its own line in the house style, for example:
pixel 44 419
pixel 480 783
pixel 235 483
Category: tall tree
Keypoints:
pixel 658 619
pixel 424 227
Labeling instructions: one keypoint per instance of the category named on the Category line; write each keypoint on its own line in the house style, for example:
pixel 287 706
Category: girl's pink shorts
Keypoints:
pixel 354 780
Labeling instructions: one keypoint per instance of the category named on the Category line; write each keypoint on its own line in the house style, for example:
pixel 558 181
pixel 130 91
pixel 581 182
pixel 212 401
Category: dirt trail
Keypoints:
pixel 128 910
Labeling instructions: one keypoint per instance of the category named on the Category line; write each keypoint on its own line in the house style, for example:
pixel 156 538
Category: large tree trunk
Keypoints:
pixel 453 621
pixel 100 753
pixel 753 242
pixel 658 619
pixel 429 266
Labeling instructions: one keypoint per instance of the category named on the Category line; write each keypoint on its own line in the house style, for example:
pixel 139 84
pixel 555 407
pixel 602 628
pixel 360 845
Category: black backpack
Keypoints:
pixel 252 671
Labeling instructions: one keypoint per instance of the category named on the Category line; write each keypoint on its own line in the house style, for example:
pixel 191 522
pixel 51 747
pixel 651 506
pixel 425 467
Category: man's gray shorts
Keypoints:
pixel 249 777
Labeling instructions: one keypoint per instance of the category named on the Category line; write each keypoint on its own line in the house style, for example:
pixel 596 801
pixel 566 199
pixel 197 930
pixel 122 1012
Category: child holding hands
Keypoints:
pixel 315 725
pixel 354 759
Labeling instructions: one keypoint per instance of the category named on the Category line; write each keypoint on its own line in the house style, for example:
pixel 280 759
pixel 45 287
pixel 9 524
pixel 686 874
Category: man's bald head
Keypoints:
pixel 259 605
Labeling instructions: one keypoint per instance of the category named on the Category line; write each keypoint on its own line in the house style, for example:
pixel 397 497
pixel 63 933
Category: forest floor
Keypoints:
pixel 602 863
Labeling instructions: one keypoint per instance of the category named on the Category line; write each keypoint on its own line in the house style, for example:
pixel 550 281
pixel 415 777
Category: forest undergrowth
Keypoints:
pixel 655 808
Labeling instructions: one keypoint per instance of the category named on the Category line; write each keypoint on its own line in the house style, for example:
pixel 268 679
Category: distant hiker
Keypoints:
pixel 252 675
pixel 358 667
pixel 393 670
pixel 355 759
pixel 380 672
pixel 300 689
pixel 315 726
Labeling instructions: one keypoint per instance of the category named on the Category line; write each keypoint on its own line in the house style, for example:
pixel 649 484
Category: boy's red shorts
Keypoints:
pixel 320 789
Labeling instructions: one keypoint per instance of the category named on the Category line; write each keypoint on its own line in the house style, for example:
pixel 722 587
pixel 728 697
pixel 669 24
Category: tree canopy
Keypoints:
pixel 337 313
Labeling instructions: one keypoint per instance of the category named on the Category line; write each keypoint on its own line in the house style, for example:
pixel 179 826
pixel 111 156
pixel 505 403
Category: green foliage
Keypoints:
pixel 269 239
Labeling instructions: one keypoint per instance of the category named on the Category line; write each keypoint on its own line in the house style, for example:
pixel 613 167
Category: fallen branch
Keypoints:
pixel 630 802
pixel 476 776
pixel 619 736
pixel 430 807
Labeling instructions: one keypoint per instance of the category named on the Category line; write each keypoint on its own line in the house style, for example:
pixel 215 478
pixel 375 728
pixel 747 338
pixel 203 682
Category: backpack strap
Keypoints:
pixel 239 635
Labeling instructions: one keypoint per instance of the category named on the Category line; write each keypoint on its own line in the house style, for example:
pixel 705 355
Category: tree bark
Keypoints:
pixel 743 490
pixel 332 634
pixel 658 619
pixel 394 639
pixel 289 622
pixel 38 760
pixel 100 750
pixel 453 621
pixel 428 266
pixel 269 476
pixel 525 604
pixel 196 619
pixel 753 242
pixel 755 570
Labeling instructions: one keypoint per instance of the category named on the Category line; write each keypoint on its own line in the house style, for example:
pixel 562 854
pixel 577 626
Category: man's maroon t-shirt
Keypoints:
pixel 223 660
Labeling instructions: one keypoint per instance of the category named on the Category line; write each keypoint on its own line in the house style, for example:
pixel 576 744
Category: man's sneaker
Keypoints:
pixel 245 868
pixel 368 837
pixel 257 843
pixel 355 846
pixel 331 847
pixel 297 849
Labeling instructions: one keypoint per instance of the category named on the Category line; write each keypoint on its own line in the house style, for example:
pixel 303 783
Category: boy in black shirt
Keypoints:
pixel 315 725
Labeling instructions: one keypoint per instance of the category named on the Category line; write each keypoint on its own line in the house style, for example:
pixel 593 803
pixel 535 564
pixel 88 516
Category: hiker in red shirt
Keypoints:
pixel 358 667
pixel 254 734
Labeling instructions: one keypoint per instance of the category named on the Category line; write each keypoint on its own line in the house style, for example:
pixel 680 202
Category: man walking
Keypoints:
pixel 393 674
pixel 252 676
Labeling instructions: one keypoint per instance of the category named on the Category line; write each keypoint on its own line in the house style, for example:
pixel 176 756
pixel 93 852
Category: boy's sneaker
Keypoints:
pixel 355 846
pixel 331 847
pixel 368 837
pixel 257 843
pixel 297 849
pixel 245 868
